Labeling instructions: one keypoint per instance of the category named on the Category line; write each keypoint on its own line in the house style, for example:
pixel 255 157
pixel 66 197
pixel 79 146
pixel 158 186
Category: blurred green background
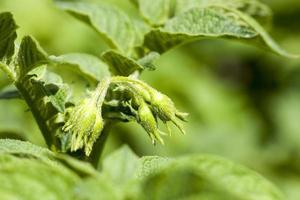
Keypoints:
pixel 244 103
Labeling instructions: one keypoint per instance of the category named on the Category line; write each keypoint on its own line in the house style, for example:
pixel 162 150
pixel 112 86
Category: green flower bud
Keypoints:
pixel 161 105
pixel 148 122
pixel 85 124
pixel 165 109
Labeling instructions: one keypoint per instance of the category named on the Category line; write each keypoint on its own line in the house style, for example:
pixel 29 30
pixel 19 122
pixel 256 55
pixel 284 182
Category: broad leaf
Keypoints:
pixel 207 177
pixel 254 8
pixel 16 147
pixel 120 166
pixel 210 22
pixel 99 188
pixel 26 149
pixel 30 55
pixel 189 177
pixel 81 168
pixel 117 179
pixel 140 29
pixel 150 165
pixel 87 65
pixel 114 25
pixel 30 179
pixel 30 172
pixel 7 36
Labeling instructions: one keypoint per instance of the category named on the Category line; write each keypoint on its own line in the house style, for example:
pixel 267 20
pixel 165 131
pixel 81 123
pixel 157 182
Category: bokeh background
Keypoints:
pixel 244 103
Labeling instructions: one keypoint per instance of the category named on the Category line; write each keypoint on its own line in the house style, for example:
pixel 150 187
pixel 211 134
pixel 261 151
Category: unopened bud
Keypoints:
pixel 85 122
pixel 165 109
pixel 148 122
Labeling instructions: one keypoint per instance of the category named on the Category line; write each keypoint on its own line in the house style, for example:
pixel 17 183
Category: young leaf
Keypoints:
pixel 89 66
pixel 120 64
pixel 30 55
pixel 46 96
pixel 147 60
pixel 114 25
pixel 59 98
pixel 7 36
pixel 210 22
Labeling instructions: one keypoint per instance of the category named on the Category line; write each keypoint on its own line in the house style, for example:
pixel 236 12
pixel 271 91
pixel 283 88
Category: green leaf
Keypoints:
pixel 112 24
pixel 208 177
pixel 210 22
pixel 30 179
pixel 120 64
pixel 155 12
pixel 30 55
pixel 140 29
pixel 50 87
pixel 148 60
pixel 150 165
pixel 81 168
pixel 60 97
pixel 7 36
pixel 120 166
pixel 117 179
pixel 16 147
pixel 98 188
pixel 254 8
pixel 26 149
pixel 87 65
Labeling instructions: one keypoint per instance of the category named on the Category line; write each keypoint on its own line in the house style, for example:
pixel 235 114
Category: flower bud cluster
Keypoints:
pixel 150 105
pixel 85 124
pixel 85 121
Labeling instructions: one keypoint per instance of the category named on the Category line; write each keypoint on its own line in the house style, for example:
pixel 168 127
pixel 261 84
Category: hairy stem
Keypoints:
pixel 37 115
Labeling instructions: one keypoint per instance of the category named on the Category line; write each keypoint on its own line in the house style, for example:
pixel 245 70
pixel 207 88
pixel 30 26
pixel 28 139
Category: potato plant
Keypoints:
pixel 76 125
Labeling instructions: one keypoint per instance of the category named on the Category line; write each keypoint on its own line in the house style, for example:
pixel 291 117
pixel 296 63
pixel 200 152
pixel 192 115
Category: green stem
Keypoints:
pixel 99 146
pixel 144 89
pixel 100 92
pixel 36 114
